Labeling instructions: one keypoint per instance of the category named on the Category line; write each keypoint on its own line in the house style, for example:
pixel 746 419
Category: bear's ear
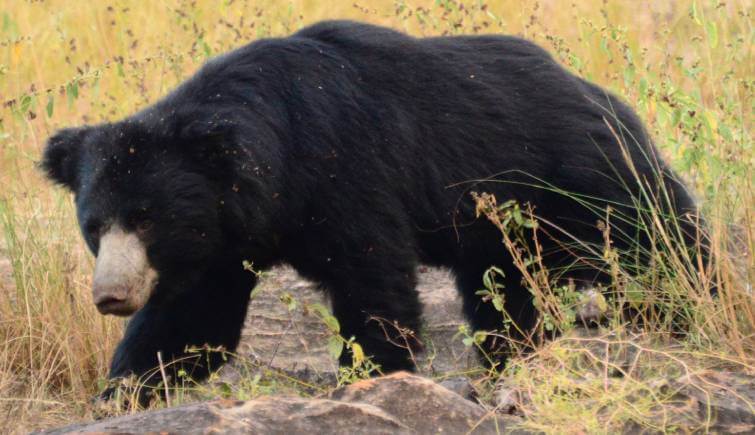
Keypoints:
pixel 61 156
pixel 211 143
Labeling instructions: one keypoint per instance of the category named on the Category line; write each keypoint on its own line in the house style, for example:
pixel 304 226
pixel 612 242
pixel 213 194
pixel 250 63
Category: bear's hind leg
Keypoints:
pixel 483 316
pixel 381 309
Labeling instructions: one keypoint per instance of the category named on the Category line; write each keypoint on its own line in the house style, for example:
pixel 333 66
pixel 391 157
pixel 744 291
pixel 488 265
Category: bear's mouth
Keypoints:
pixel 114 306
pixel 123 278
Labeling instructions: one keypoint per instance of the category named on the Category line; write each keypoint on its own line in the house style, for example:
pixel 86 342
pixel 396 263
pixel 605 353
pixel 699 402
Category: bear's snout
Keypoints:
pixel 109 303
pixel 123 278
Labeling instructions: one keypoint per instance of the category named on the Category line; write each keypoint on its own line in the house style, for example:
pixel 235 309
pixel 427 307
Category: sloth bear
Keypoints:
pixel 348 151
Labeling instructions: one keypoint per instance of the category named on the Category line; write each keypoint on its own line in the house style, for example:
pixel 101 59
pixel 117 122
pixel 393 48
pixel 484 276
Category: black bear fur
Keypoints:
pixel 349 151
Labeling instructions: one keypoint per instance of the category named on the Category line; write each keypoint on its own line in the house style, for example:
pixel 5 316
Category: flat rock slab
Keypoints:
pixel 419 403
pixel 274 415
pixel 396 404
pixel 728 401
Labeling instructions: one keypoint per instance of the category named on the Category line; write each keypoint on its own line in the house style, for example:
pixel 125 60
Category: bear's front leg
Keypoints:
pixel 210 314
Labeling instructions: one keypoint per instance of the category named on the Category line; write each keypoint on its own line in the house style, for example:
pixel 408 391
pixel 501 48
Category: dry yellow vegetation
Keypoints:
pixel 685 65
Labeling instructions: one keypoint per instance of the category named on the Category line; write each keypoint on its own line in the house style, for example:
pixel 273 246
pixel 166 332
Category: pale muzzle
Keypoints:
pixel 123 278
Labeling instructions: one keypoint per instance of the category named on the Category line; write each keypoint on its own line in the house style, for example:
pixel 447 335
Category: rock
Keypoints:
pixel 400 403
pixel 704 400
pixel 727 401
pixel 506 397
pixel 273 415
pixel 592 306
pixel 459 385
pixel 420 403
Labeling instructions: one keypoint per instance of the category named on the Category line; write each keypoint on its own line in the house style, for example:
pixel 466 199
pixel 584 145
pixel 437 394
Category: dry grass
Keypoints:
pixel 685 65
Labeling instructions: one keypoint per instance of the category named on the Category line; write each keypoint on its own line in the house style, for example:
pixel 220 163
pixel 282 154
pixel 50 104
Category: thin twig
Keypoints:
pixel 165 377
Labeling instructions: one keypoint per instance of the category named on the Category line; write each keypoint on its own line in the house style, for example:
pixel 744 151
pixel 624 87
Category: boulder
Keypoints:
pixel 284 415
pixel 421 404
pixel 395 404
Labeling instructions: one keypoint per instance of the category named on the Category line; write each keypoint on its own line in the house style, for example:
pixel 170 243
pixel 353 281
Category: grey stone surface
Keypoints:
pixel 421 404
pixel 728 401
pixel 396 404
pixel 273 415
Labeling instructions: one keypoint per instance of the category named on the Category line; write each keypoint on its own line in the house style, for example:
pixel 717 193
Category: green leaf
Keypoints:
pixel 487 281
pixel 634 294
pixel 598 299
pixel 96 86
pixel 335 346
pixel 676 117
pixel 206 48
pixel 357 354
pixel 507 204
pixel 71 93
pixel 716 167
pixel 643 88
pixel 724 131
pixel 548 324
pixel 255 292
pixel 290 302
pixel 604 45
pixel 332 323
pixel 518 217
pixel 9 26
pixel 661 116
pixel 225 390
pixel 497 270
pixel 712 31
pixel 695 15
pixel 498 304
pixel 25 103
pixel 320 309
pixel 629 75
pixel 575 61
pixel 480 336
pixel 50 104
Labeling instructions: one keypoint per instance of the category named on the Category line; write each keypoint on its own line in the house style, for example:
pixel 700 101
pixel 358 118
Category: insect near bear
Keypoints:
pixel 347 150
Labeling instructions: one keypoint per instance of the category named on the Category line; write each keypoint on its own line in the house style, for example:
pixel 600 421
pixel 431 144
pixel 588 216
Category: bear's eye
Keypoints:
pixel 144 225
pixel 93 228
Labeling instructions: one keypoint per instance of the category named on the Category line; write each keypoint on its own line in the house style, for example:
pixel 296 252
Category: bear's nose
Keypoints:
pixel 110 302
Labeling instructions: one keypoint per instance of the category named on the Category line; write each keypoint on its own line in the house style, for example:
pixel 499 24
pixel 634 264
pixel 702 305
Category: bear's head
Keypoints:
pixel 148 199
